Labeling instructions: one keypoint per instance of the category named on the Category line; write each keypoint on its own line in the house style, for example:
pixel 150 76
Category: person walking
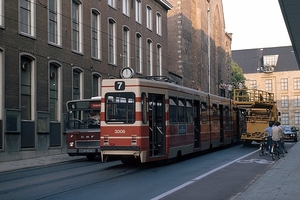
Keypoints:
pixel 277 134
pixel 240 93
pixel 222 87
pixel 229 88
pixel 240 85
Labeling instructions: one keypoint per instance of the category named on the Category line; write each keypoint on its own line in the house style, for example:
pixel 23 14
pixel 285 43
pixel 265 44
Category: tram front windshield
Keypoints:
pixel 120 107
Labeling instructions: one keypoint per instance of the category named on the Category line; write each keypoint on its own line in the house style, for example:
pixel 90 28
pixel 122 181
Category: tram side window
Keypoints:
pixel 173 110
pixel 227 125
pixel 120 107
pixel 215 111
pixel 204 117
pixel 189 111
pixel 144 108
pixel 181 110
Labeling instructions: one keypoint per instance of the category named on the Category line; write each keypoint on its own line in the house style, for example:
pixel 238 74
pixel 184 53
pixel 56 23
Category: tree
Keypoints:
pixel 237 74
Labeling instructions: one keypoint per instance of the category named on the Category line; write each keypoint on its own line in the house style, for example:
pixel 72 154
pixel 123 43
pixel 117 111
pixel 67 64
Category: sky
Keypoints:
pixel 255 24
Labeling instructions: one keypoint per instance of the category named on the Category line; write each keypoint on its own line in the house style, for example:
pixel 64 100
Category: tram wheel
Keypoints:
pixel 90 157
pixel 247 143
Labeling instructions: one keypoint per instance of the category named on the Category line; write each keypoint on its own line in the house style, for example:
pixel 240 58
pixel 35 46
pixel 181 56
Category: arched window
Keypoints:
pixel 158 60
pixel 26 87
pixel 149 52
pixel 96 34
pixel 2 75
pixel 139 53
pixel 77 32
pixel 126 47
pixel 77 83
pixel 96 85
pixel 54 22
pixel 149 17
pixel 112 37
pixel 54 91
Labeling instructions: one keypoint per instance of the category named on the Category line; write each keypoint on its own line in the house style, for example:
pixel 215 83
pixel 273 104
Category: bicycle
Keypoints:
pixel 275 151
pixel 263 147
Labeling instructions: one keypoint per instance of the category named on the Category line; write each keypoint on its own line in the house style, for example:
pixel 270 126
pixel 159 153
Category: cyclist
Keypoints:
pixel 277 135
pixel 269 131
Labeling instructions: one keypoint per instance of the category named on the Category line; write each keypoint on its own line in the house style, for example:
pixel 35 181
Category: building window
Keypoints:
pixel 54 20
pixel 296 83
pixel 149 57
pixel 77 83
pixel 284 101
pixel 96 85
pixel 27 17
pixel 138 55
pixel 297 117
pixel 2 91
pixel 95 29
pixel 158 60
pixel 138 11
pixel 297 101
pixel 158 24
pixel 26 87
pixel 126 7
pixel 268 84
pixel 77 39
pixel 284 118
pixel 2 13
pixel 149 17
pixel 112 48
pixel 284 83
pixel 253 84
pixel 270 61
pixel 112 3
pixel 53 75
pixel 126 47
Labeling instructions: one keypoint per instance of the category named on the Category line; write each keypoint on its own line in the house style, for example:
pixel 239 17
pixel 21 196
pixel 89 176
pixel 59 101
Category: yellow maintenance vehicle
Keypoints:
pixel 259 110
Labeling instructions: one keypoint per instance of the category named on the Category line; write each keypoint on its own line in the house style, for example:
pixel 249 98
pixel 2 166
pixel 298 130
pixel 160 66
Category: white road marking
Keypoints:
pixel 259 161
pixel 199 177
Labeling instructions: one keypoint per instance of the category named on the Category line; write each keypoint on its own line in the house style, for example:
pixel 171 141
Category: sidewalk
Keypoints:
pixel 281 181
pixel 35 162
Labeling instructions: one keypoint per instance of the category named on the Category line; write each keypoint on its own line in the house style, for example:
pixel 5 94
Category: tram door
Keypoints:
pixel 197 124
pixel 157 136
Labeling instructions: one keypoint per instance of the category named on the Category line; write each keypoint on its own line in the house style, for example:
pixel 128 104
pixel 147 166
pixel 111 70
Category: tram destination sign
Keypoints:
pixel 119 85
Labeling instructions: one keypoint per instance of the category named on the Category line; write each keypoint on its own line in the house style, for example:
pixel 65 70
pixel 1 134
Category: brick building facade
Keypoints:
pixel 199 47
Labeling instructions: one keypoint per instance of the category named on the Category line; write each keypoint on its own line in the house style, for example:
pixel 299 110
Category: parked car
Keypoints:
pixel 290 132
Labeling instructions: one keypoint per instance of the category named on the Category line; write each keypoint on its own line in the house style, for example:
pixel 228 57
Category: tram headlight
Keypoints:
pixel 71 144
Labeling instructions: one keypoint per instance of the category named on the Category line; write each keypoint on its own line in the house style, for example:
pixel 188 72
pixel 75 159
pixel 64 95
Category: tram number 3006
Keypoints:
pixel 118 131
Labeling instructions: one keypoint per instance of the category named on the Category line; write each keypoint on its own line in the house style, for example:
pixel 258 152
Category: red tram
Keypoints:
pixel 157 120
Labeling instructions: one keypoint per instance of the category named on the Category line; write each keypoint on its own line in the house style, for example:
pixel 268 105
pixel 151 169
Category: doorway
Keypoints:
pixel 157 135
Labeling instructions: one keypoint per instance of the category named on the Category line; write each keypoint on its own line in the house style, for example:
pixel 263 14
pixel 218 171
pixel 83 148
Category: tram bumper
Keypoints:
pixel 133 151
